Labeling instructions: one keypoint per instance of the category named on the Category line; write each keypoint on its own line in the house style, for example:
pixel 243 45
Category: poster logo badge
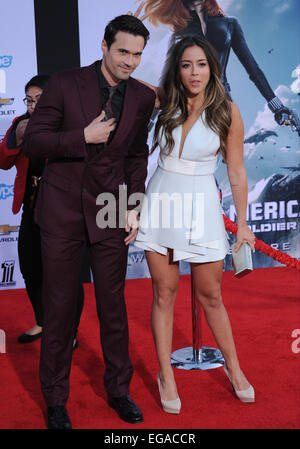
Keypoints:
pixel 7 268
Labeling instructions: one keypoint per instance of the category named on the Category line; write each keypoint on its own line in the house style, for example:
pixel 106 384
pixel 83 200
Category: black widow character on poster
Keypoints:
pixel 206 19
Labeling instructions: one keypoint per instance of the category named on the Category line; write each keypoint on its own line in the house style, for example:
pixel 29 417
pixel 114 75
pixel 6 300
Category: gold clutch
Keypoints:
pixel 242 260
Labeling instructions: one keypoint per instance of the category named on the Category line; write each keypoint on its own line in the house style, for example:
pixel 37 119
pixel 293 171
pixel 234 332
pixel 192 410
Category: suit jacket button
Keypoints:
pixel 84 190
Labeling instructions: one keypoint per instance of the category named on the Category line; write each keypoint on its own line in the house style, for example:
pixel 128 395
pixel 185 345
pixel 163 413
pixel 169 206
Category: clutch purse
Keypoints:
pixel 242 260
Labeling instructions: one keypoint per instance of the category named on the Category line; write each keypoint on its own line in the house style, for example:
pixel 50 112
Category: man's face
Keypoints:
pixel 123 57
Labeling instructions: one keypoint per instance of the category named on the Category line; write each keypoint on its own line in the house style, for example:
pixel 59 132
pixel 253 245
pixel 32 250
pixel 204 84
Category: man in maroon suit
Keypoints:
pixel 94 138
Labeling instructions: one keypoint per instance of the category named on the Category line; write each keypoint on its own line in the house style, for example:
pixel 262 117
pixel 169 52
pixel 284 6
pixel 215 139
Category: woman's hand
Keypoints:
pixel 244 235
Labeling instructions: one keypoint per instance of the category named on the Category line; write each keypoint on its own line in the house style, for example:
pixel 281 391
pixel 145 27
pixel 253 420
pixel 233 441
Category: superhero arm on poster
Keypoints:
pixel 282 114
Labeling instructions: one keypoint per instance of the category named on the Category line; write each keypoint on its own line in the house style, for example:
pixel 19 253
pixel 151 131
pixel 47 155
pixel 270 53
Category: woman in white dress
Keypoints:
pixel 181 217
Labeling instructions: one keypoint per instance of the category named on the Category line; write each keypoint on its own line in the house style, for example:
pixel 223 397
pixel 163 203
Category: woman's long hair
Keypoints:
pixel 176 13
pixel 175 108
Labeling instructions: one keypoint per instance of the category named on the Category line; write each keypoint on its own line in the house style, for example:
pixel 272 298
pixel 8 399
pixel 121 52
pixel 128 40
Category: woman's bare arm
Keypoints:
pixel 237 176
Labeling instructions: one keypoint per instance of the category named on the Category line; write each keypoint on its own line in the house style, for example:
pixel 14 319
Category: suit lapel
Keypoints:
pixel 89 92
pixel 90 97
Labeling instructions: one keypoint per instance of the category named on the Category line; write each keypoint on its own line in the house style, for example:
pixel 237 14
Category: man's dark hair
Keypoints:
pixel 37 81
pixel 128 24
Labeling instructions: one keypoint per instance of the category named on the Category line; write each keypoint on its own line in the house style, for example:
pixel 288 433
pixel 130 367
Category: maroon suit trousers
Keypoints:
pixel 61 271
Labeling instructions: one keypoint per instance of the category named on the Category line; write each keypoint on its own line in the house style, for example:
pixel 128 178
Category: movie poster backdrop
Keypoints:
pixel 265 49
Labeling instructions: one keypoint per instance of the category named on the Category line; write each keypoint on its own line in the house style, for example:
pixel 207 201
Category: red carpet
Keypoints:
pixel 264 310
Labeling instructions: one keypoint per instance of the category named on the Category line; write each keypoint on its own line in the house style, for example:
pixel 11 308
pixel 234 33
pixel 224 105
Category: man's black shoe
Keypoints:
pixel 58 418
pixel 126 409
pixel 26 338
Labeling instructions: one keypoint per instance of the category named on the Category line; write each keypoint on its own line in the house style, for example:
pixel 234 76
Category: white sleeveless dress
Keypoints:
pixel 182 209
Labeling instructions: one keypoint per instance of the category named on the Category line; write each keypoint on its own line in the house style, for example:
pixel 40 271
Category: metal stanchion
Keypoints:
pixel 196 356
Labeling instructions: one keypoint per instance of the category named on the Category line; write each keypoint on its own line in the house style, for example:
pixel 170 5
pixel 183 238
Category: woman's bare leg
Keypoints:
pixel 207 278
pixel 165 279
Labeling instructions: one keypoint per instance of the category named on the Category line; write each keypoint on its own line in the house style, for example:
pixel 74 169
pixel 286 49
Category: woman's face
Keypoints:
pixel 194 71
pixel 197 5
pixel 32 96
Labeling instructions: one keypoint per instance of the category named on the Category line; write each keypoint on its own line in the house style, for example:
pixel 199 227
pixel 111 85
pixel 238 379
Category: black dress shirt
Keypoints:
pixel 117 99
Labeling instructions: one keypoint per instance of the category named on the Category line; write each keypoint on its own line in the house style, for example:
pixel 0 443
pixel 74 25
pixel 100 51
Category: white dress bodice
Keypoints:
pixel 185 189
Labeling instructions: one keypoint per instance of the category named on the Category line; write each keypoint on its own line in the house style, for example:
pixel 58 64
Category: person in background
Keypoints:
pixel 29 171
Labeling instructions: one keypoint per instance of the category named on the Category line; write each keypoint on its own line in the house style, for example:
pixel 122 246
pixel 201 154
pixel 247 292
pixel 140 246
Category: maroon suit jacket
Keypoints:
pixel 76 173
pixel 10 157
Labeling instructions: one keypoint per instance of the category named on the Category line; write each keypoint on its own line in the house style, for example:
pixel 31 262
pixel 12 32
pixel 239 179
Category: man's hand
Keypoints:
pixel 132 225
pixel 20 130
pixel 98 130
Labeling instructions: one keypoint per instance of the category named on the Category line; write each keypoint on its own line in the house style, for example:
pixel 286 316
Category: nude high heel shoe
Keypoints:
pixel 243 395
pixel 173 406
